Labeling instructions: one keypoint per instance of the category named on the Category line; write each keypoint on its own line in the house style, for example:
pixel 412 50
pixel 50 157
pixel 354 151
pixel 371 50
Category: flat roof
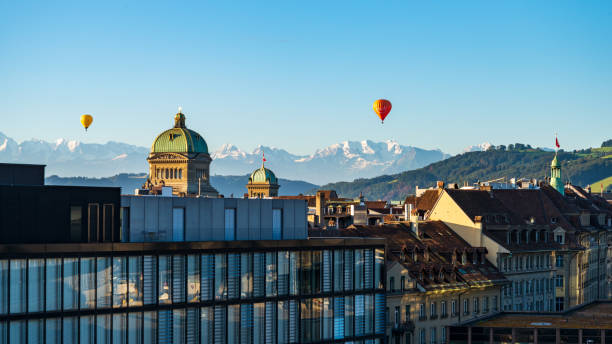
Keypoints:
pixel 597 315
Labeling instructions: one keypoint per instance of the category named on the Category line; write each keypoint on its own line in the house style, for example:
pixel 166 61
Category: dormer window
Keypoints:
pixel 559 238
pixel 441 276
pixel 464 258
pixel 475 258
pixel 553 220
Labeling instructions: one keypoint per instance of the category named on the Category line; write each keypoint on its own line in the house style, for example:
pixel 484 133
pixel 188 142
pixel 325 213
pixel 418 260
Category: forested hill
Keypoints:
pixel 517 161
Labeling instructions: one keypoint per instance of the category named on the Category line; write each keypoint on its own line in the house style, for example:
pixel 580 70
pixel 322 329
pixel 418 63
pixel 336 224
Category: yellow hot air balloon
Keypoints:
pixel 86 121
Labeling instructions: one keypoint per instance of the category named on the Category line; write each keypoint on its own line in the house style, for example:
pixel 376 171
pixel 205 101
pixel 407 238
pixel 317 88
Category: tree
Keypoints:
pixel 607 143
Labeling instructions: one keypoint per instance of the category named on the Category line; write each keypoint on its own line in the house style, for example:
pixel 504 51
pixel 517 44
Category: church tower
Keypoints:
pixel 262 183
pixel 555 176
pixel 179 158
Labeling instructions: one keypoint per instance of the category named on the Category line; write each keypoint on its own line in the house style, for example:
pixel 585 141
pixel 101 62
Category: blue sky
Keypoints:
pixel 303 75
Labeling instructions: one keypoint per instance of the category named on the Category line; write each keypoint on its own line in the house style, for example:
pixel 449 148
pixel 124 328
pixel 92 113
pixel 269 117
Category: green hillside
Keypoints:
pixel 519 161
pixel 606 182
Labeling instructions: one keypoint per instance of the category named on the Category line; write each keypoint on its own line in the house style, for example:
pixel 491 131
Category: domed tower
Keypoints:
pixel 262 183
pixel 179 158
pixel 555 176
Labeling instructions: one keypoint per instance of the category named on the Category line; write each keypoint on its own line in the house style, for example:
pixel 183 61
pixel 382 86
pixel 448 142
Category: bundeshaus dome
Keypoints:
pixel 179 139
pixel 262 183
pixel 179 159
pixel 263 175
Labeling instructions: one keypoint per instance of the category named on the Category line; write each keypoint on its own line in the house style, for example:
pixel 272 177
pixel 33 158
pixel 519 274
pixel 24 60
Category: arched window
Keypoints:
pixel 181 173
pixel 543 235
pixel 514 237
pixel 533 236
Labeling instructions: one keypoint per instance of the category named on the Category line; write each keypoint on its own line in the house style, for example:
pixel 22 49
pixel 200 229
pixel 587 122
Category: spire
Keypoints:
pixel 179 118
pixel 555 171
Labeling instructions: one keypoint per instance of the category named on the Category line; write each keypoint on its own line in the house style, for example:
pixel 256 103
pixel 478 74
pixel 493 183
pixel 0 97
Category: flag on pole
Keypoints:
pixel 557 142
pixel 263 156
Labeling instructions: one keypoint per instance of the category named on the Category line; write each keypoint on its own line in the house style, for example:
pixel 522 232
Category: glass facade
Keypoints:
pixel 284 295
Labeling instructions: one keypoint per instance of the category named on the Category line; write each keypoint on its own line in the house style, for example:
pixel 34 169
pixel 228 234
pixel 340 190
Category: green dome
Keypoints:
pixel 263 175
pixel 555 162
pixel 179 139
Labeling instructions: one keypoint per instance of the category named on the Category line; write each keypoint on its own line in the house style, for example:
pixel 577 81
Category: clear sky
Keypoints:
pixel 302 74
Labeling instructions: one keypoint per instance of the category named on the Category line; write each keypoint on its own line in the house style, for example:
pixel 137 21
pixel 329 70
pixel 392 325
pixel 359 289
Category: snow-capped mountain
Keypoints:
pixel 342 161
pixel 73 158
pixel 347 160
pixel 478 148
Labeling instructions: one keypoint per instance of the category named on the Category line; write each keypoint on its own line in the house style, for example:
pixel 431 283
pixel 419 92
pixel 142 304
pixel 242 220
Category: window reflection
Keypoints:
pixel 246 275
pixel 220 275
pixel 149 288
pixel 35 331
pixel 119 328
pixel 270 274
pixel 193 278
pixel 120 282
pixel 87 330
pixel 283 272
pixel 103 329
pixel 165 282
pixel 135 328
pixel 135 281
pixel 4 287
pixel 88 283
pixel 207 276
pixel 53 331
pixel 178 278
pixel 71 283
pixel 18 286
pixel 70 333
pixel 103 280
pixel 36 276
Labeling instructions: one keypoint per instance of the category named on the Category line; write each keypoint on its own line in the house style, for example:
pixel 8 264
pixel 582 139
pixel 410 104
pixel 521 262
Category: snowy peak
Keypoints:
pixel 478 148
pixel 228 150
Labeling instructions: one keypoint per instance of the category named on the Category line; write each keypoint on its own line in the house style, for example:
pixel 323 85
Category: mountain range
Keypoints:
pixel 342 161
pixel 580 167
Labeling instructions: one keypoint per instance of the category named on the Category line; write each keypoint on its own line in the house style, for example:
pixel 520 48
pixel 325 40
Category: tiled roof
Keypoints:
pixel 476 202
pixel 427 200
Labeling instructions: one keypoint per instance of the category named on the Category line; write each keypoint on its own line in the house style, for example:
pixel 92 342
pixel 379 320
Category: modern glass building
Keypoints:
pixel 86 265
pixel 283 291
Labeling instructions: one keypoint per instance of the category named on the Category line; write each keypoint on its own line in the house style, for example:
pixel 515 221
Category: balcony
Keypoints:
pixel 433 317
pixel 403 327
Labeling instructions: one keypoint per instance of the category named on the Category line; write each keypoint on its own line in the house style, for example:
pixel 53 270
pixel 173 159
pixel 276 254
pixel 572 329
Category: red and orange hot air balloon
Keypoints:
pixel 382 107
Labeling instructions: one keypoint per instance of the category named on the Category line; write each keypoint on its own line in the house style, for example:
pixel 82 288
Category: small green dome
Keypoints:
pixel 179 139
pixel 555 162
pixel 263 175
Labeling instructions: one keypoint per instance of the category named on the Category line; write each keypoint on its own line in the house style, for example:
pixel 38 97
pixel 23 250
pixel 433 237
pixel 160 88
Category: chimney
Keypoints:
pixel 440 184
pixel 320 205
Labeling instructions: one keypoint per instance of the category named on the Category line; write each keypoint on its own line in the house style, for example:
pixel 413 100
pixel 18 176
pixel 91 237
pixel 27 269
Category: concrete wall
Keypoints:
pixel 150 218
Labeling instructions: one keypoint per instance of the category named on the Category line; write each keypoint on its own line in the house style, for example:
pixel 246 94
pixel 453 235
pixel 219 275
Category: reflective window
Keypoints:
pixel 338 270
pixel 4 287
pixel 71 284
pixel 135 328
pixel 88 283
pixel 178 326
pixel 219 327
pixel 271 274
pixel 294 265
pixel 178 278
pixel 328 319
pixel 349 316
pixel 104 286
pixel 149 287
pixel 379 261
pixel 359 260
pixel 135 281
pixel 76 223
pixel 259 323
pixel 348 269
pixel 246 323
pixel 326 271
pixel 70 331
pixel 119 328
pixel 149 327
pixel 220 276
pixel 283 272
pixel 103 329
pixel 368 269
pixel 193 325
pixel 230 224
pixel 206 325
pixel 35 331
pixel 165 280
pixel 193 278
pixel 233 324
pixel 277 224
pixel 359 315
pixel 246 275
pixel 259 274
pixel 53 331
pixel 207 276
pixel 17 331
pixel 36 291
pixel 233 276
pixel 87 329
pixel 178 224
pixel 339 317
pixel 120 281
pixel 283 321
